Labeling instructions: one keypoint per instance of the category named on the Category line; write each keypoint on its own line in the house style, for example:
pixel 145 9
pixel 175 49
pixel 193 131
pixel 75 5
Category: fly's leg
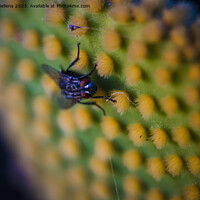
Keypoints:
pixel 104 97
pixel 94 104
pixel 89 73
pixel 77 58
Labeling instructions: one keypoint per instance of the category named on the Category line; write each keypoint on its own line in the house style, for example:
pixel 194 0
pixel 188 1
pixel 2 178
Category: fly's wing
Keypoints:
pixel 57 77
pixel 53 73
pixel 65 103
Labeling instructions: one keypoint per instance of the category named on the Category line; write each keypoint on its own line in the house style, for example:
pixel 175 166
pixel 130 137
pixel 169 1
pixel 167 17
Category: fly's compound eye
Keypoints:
pixel 84 82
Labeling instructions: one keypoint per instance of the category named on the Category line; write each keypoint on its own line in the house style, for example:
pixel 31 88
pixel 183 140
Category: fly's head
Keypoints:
pixel 88 88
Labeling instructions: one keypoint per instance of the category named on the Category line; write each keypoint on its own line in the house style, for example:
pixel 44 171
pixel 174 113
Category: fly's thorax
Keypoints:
pixel 72 87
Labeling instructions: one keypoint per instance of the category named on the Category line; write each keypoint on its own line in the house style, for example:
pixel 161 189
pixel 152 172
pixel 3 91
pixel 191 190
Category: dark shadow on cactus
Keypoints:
pixel 194 136
pixel 113 83
pixel 177 78
pixel 153 51
pixel 108 84
pixel 182 105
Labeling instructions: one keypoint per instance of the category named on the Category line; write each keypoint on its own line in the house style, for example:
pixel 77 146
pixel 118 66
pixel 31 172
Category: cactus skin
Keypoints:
pixel 66 152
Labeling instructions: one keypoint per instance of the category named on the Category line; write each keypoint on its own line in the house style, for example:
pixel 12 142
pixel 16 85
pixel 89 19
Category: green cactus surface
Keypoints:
pixel 148 56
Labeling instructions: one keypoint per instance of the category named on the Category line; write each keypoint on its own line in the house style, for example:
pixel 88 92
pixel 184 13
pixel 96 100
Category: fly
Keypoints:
pixel 72 27
pixel 74 86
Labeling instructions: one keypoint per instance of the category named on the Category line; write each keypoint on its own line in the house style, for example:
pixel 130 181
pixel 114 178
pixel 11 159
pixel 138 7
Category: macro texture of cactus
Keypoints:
pixel 148 55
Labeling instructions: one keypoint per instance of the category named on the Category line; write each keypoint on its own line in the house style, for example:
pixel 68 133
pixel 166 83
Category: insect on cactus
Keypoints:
pixel 74 86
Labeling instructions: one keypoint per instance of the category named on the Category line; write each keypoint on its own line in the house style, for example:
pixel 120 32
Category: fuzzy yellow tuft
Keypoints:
pixel 111 40
pixel 16 119
pixel 5 62
pixel 193 164
pixel 42 129
pixel 83 118
pixel 79 21
pixel 49 85
pixel 174 164
pixel 77 176
pixel 179 36
pixel 51 158
pixel 191 192
pixel 194 72
pixel 181 135
pixel 8 29
pixel 70 148
pixel 110 127
pixel 156 168
pixel 169 105
pixel 195 120
pixel 168 16
pixel 53 187
pixel 95 5
pixel 137 50
pixel 132 159
pixel 123 100
pixel 192 96
pixel 15 91
pixel 140 13
pixel 172 57
pixel 176 198
pixel 65 121
pixel 146 105
pixel 100 190
pixel 153 5
pixel 98 166
pixel 30 39
pixel 27 69
pixel 28 148
pixel 190 52
pixel 121 13
pixel 159 137
pixel 177 15
pixel 153 31
pixel 82 62
pixel 105 65
pixel 132 186
pixel 133 74
pixel 154 194
pixel 5 57
pixel 52 47
pixel 42 106
pixel 163 76
pixel 137 134
pixel 103 148
pixel 54 16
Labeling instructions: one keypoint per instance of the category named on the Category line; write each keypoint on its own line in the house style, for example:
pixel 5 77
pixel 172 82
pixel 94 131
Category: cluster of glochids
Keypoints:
pixel 150 50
